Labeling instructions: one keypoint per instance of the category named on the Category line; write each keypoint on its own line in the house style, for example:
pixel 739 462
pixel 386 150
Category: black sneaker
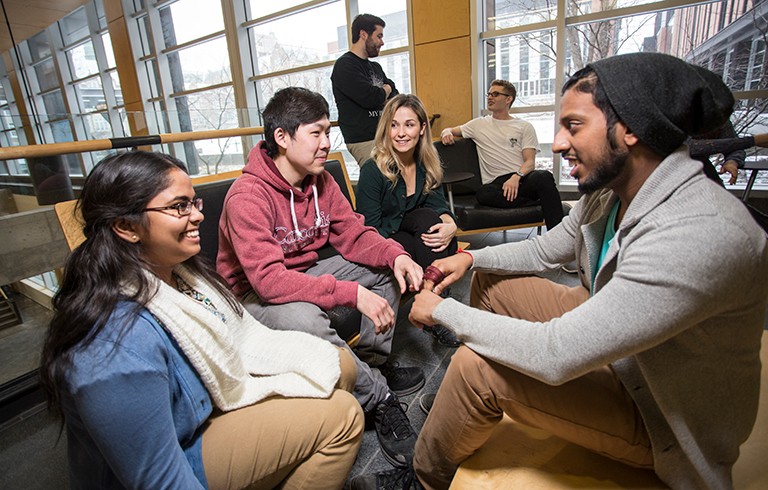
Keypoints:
pixel 402 380
pixel 397 479
pixel 393 429
pixel 426 401
pixel 443 335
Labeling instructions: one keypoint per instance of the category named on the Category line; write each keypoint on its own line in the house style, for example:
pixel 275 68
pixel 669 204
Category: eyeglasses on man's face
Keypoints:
pixel 496 94
pixel 183 208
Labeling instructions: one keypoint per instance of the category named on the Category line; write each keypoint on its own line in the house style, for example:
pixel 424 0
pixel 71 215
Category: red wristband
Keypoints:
pixel 462 251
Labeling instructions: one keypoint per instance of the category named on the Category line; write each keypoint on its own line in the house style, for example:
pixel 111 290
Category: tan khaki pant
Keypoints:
pixel 593 411
pixel 292 442
pixel 361 151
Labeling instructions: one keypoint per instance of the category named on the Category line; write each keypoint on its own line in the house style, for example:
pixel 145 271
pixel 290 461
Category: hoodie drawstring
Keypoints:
pixel 293 213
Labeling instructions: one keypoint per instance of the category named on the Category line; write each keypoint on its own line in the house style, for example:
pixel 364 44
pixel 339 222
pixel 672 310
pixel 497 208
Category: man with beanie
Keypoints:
pixel 653 359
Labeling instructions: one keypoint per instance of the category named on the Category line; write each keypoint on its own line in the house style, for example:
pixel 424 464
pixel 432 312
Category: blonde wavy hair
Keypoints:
pixel 386 157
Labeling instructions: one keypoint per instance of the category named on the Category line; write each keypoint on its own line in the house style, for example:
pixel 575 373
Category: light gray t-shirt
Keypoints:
pixel 500 144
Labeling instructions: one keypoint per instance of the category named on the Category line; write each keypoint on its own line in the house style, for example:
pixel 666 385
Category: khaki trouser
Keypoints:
pixel 593 411
pixel 293 442
pixel 361 151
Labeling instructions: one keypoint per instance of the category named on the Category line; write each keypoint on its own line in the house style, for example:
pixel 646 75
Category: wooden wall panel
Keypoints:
pixel 436 20
pixel 444 81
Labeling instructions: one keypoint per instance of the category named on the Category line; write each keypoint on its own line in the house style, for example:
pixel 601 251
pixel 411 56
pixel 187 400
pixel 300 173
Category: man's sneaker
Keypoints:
pixel 426 401
pixel 397 479
pixel 402 380
pixel 393 429
pixel 443 335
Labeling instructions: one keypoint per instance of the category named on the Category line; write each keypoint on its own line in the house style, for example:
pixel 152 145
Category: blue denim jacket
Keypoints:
pixel 134 408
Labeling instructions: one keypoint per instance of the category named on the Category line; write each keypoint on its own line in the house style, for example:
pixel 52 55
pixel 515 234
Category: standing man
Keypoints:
pixel 507 147
pixel 360 86
pixel 277 217
pixel 654 359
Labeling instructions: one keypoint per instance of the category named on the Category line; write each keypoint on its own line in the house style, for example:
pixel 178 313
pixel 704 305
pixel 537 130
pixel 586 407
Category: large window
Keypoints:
pixel 73 92
pixel 524 42
pixel 190 79
pixel 9 121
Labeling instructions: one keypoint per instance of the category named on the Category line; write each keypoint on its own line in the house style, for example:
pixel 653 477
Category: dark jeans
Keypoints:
pixel 538 185
pixel 416 222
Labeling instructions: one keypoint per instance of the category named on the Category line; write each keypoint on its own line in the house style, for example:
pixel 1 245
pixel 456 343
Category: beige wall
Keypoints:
pixel 442 59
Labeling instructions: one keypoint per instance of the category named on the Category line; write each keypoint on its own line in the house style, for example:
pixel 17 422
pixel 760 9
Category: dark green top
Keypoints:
pixel 384 207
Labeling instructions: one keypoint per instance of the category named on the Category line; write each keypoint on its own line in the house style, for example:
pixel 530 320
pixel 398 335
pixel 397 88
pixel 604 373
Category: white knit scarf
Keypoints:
pixel 241 361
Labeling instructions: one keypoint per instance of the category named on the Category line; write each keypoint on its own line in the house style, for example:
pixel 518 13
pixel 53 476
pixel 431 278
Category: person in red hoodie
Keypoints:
pixel 277 217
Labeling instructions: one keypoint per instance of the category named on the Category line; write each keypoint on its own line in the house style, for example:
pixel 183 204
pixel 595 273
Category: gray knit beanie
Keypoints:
pixel 663 99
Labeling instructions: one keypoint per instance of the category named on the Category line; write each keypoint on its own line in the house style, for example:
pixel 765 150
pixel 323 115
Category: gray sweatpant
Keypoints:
pixel 372 350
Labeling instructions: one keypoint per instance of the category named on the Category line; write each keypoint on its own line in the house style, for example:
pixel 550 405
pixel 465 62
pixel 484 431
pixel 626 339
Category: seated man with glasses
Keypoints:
pixel 506 148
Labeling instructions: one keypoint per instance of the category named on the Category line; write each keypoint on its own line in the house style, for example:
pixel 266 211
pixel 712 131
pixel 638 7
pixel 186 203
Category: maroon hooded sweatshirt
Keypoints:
pixel 269 233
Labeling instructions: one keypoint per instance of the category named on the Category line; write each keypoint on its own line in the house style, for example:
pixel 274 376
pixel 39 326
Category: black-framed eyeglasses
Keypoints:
pixel 183 208
pixel 496 94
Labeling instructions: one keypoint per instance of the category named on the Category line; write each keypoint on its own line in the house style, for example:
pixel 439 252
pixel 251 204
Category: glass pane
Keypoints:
pixel 394 14
pixel 147 43
pixel 46 75
pixel 62 133
pixel 3 99
pixel 579 7
pixel 316 80
pixel 683 34
pixel 54 106
pixel 526 60
pixel 97 126
pixel 106 39
pixel 117 88
pixel 212 109
pixel 301 39
pixel 5 118
pixel 21 167
pixel 38 46
pixel 751 117
pixel 187 20
pixel 396 67
pixel 153 77
pixel 201 65
pixel 101 14
pixel 82 60
pixel 501 14
pixel 90 95
pixel 74 26
pixel 260 8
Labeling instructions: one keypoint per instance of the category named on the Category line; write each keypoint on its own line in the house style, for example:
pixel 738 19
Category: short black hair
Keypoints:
pixel 288 109
pixel 367 23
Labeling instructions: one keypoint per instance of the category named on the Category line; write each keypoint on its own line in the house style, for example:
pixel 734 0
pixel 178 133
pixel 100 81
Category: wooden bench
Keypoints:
pixel 518 456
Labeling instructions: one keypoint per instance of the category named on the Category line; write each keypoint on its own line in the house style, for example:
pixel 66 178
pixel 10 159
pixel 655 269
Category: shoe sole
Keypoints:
pixel 410 389
pixel 423 407
pixel 391 460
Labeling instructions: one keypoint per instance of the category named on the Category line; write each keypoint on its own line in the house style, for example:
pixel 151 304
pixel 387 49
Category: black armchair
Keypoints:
pixel 472 217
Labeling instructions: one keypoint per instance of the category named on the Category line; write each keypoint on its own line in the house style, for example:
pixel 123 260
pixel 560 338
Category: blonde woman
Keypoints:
pixel 399 191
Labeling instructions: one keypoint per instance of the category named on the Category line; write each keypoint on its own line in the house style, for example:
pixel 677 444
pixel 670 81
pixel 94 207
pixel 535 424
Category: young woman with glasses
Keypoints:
pixel 161 379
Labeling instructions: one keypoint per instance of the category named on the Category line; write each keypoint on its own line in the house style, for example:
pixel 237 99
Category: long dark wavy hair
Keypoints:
pixel 118 188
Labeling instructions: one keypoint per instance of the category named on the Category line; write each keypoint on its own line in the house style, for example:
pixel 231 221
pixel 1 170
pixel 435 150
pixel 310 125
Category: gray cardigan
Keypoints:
pixel 677 310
